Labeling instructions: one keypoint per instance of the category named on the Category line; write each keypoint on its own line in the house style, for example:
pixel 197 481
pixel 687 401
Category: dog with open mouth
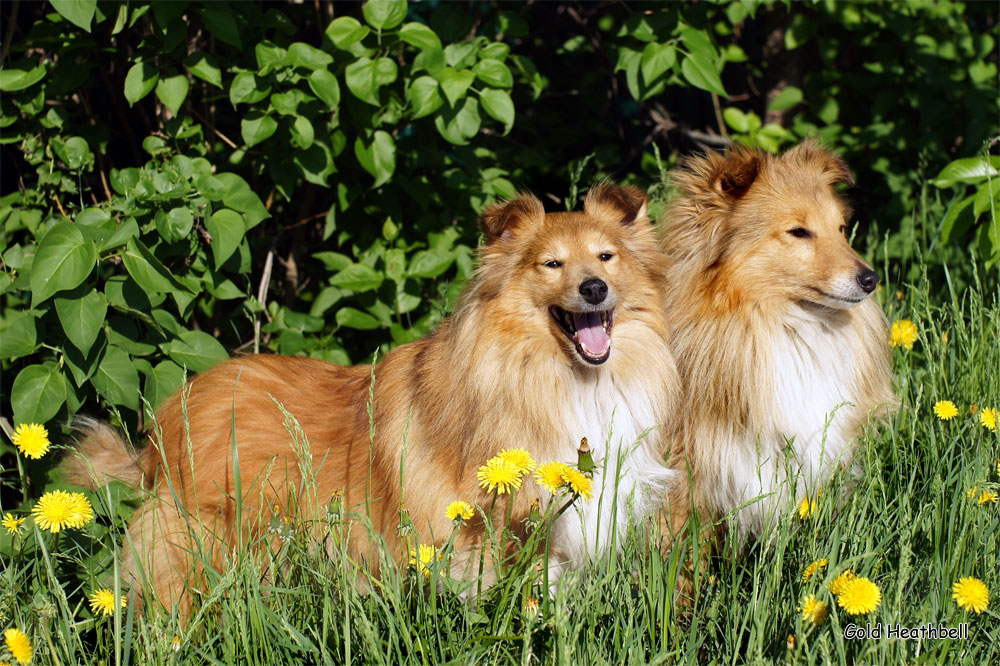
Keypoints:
pixel 559 335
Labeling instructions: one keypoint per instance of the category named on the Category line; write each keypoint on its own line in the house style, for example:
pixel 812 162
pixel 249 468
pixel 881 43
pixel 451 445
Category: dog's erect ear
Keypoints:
pixel 812 153
pixel 624 204
pixel 501 220
pixel 737 172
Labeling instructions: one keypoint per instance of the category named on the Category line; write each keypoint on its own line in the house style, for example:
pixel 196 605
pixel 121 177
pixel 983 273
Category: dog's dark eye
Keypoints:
pixel 843 228
pixel 605 256
pixel 800 232
pixel 553 264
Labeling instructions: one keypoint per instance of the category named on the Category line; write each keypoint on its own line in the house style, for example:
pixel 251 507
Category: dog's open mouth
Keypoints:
pixel 589 331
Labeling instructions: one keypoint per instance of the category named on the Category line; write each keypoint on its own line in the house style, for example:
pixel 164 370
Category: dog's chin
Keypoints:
pixel 837 301
pixel 590 332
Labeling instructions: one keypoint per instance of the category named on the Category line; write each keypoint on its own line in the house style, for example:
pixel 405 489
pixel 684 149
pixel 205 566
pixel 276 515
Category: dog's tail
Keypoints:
pixel 102 455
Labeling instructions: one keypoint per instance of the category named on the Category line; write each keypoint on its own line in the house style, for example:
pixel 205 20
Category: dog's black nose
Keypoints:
pixel 594 290
pixel 868 279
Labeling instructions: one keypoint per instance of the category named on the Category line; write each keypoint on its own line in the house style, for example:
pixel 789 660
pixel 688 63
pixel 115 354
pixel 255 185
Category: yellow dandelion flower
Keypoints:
pixel 520 458
pixel 459 510
pixel 58 509
pixel 904 334
pixel 813 568
pixel 580 484
pixel 32 440
pixel 422 558
pixel 838 583
pixel 499 474
pixel 19 645
pixel 103 602
pixel 971 594
pixel 945 410
pixel 989 417
pixel 859 596
pixel 813 610
pixel 12 523
pixel 552 476
pixel 807 507
pixel 988 496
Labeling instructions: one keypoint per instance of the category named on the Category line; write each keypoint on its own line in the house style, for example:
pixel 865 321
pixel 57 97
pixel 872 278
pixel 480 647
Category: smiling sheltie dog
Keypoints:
pixel 783 354
pixel 560 335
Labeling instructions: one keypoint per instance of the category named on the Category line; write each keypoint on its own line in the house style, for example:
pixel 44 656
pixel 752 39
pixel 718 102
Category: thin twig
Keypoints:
pixel 265 280
pixel 718 116
pixel 219 134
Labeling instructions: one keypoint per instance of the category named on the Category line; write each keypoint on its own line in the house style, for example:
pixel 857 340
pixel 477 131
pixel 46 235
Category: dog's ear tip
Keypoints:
pixel 629 200
pixel 499 220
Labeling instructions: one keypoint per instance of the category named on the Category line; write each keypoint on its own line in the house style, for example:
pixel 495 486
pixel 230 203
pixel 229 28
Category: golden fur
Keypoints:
pixel 772 332
pixel 498 373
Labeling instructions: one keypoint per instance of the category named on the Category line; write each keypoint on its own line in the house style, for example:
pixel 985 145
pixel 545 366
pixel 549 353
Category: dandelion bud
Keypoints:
pixel 405 522
pixel 531 608
pixel 584 459
pixel 335 509
pixel 790 643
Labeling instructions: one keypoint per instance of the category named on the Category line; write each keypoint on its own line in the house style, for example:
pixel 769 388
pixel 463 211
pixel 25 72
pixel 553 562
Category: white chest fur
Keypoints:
pixel 804 421
pixel 619 419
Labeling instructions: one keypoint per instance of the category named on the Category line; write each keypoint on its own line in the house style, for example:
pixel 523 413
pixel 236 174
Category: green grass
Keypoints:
pixel 907 523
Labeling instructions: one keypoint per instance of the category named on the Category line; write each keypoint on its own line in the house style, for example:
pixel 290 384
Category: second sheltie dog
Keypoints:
pixel 560 335
pixel 783 354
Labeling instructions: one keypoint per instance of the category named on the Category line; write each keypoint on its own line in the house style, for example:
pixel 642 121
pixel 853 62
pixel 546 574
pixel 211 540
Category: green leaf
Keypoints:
pixel 63 260
pixel 20 75
pixel 81 318
pixel 699 43
pixel 430 263
pixel 423 96
pixel 455 83
pixel 246 88
pixel 459 125
pixel 116 378
pixel 986 197
pixel 18 334
pixel 256 127
pixel 205 66
pixel 301 54
pixel 656 61
pixel 78 12
pixel 419 35
pixel 346 31
pixel 786 99
pixel 384 14
pixel 238 196
pixel 140 81
pixel 965 170
pixel 37 394
pixel 494 73
pixel 302 132
pixel 181 221
pixel 377 157
pixel 701 73
pixel 957 220
pixel 736 119
pixel 365 76
pixel 148 272
pixel 326 87
pixel 431 61
pixel 218 17
pixel 227 228
pixel 196 350
pixel 498 104
pixel 357 277
pixel 75 152
pixel 354 318
pixel 167 378
pixel 172 91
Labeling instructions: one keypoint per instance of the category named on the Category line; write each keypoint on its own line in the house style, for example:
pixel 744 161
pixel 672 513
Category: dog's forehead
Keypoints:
pixel 810 198
pixel 569 232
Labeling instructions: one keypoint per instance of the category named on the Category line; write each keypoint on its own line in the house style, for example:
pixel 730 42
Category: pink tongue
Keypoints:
pixel 593 338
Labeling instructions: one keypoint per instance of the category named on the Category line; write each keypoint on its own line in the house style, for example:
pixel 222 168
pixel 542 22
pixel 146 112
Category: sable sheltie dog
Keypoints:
pixel 783 355
pixel 560 335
